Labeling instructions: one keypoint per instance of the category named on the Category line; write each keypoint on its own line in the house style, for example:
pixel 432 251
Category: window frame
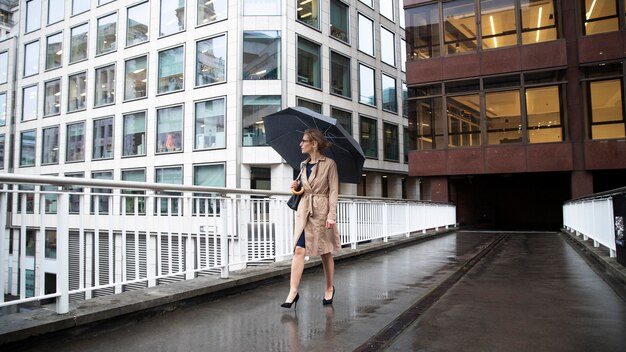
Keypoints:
pixel 145 132
pixel 373 54
pixel 330 69
pixel 397 151
pixel 319 62
pixel 359 64
pixel 225 80
pixel 395 59
pixel 375 124
pixel 84 142
pixel 45 96
pixel 22 148
pixel 68 111
pixel 36 85
pixel 195 135
pixel 128 8
pixel 26 12
pixel 587 104
pixel 5 52
pixel 348 20
pixel 382 92
pixel 319 17
pixel 46 68
pixel 95 85
pixel 93 138
pixel 48 14
pixel 117 32
pixel 184 72
pixel 211 22
pixel 24 75
pixel 43 134
pixel 147 70
pixel 78 13
pixel 161 19
pixel 69 57
pixel 156 130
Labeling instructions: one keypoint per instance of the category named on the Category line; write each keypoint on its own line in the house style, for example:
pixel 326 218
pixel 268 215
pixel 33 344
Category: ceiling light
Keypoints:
pixel 539 23
pixel 493 31
pixel 59 52
pixel 593 5
pixel 139 70
pixel 306 15
pixel 260 72
pixel 305 2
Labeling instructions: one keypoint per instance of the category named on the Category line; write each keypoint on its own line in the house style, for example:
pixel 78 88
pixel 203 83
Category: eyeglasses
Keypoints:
pixel 305 141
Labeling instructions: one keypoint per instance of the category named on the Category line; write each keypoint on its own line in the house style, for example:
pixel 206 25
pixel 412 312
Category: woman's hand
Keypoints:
pixel 295 185
pixel 330 224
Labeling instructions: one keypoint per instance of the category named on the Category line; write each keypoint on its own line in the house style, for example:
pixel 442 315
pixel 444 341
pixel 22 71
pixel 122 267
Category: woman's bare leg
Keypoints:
pixel 297 267
pixel 329 272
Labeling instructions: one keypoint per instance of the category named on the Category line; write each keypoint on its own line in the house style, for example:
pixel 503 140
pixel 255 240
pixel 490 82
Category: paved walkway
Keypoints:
pixel 532 292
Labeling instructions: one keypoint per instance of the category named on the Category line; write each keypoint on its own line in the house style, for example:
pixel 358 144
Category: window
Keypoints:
pixel 390 98
pixel 390 142
pixel 56 11
pixel 171 175
pixel 51 246
pixel 75 198
pixel 498 21
pixel 261 55
pixel 50 147
pixel 369 137
pixel 134 134
pixel 340 75
pixel 262 7
pixel 402 16
pixel 503 117
pixel 27 148
pixel 543 110
pixel 209 176
pixel 309 63
pixel 138 24
pixel 52 103
pixel 105 86
pixel 171 70
pixel 31 59
pixel 422 32
pixel 254 108
pixel 77 91
pixel 387 47
pixel 50 199
pixel 211 11
pixel 80 6
pixel 75 142
pixel 426 120
pixel 308 12
pixel 366 35
pixel 54 51
pixel 2 144
pixel 463 120
pixel 369 3
pixel 211 61
pixel 386 8
pixel 33 15
pixel 606 109
pixel 459 27
pixel 100 201
pixel 134 205
pixel 403 57
pixel 79 42
pixel 339 20
pixel 103 138
pixel 3 109
pixel 102 2
pixel 4 67
pixel 172 17
pixel 600 16
pixel 169 129
pixel 209 128
pixel 343 117
pixel 309 105
pixel 29 103
pixel 538 21
pixel 136 78
pixel 107 34
pixel 367 88
pixel 405 100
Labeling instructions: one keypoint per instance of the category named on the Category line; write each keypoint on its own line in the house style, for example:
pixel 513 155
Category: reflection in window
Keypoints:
pixel 366 35
pixel 405 100
pixel 77 92
pixel 80 6
pixel 426 124
pixel 169 129
pixel 339 20
pixel 211 11
pixel 51 244
pixel 31 59
pixel 133 204
pixel 309 63
pixel 33 15
pixel 459 26
pixel 54 51
pixel 107 34
pixel 50 146
pixel 3 109
pixel 136 78
pixel 50 198
pixel 255 107
pixel 262 7
pixel 134 134
pixel 340 75
pixel 105 85
pixel 209 126
pixel 309 105
pixel 504 123
pixel 422 32
pixel 538 21
pixel 308 11
pixel 211 61
pixel 390 142
pixel 171 175
pixel 387 47
pixel 369 3
pixel 103 138
pixel 100 200
pixel 75 198
pixel 390 99
pixel 4 67
pixel 543 110
pixel 600 16
pixel 171 70
pixel 79 42
pixel 172 17
pixel 75 142
pixel 30 251
pixel 386 8
pixel 463 120
pixel 2 148
pixel 367 88
pixel 213 175
pixel 343 117
pixel 369 137
pixel 52 99
pixel 138 24
pixel 27 148
pixel 29 103
pixel 498 23
pixel 606 109
pixel 261 55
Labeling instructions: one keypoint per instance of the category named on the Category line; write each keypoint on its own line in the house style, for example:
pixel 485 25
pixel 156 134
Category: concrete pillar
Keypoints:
pixel 436 189
pixel 348 189
pixel 395 186
pixel 282 176
pixel 581 184
pixel 373 185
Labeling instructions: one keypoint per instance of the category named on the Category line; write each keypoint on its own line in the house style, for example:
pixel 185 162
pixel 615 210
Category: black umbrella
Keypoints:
pixel 284 131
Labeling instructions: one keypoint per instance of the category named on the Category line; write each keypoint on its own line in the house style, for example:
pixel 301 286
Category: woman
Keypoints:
pixel 315 231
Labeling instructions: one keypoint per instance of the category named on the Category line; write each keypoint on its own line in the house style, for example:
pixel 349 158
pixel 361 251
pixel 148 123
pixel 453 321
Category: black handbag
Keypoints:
pixel 294 200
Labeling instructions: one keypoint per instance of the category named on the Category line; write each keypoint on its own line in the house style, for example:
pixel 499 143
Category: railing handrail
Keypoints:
pixel 598 195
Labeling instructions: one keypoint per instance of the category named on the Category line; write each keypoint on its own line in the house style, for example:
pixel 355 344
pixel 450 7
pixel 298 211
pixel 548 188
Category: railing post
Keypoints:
pixel 385 222
pixel 353 225
pixel 63 252
pixel 407 218
pixel 3 236
pixel 224 238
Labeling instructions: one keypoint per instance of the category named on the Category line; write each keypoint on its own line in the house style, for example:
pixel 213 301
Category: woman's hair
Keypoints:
pixel 317 136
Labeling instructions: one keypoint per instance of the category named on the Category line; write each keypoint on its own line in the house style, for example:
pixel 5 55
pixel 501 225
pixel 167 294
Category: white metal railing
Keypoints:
pixel 100 237
pixel 593 219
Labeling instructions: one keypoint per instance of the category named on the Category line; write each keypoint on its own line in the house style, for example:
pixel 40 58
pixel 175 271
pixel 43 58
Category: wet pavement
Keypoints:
pixel 533 292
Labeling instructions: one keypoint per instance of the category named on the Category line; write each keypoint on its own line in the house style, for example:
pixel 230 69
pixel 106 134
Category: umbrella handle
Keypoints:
pixel 297 193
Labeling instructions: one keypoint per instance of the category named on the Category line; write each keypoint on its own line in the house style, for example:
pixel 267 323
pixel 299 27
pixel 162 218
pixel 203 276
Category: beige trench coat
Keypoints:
pixel 318 204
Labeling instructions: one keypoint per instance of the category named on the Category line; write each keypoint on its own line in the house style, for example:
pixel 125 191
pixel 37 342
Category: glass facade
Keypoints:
pixel 172 175
pixel 107 34
pixel 340 69
pixel 56 11
pixel 261 55
pixel 254 108
pixel 210 124
pixel 31 58
pixel 389 94
pixel 366 35
pixel 544 116
pixel 171 70
pixel 498 23
pixel 538 21
pixel 387 47
pixel 27 148
pixel 138 24
pixel 169 130
pixel 136 78
pixel 211 61
pixel 80 6
pixel 211 11
pixel 105 86
pixel 367 86
pixel 308 12
pixel 369 137
pixel 134 134
pixel 463 120
pixel 344 118
pixel 29 103
pixel 309 67
pixel 33 15
pixel 133 204
pixel 391 142
pixel 52 99
pixel 605 100
pixel 75 144
pixel 102 138
pixel 339 20
pixel 100 200
pixel 50 146
pixel 77 92
pixel 503 115
pixel 459 26
pixel 79 42
pixel 172 17
pixel 309 105
pixel 600 16
pixel 54 51
pixel 422 32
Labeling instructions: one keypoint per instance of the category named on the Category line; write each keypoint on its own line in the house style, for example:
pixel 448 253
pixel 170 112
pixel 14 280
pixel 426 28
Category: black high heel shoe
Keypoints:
pixel 295 301
pixel 329 301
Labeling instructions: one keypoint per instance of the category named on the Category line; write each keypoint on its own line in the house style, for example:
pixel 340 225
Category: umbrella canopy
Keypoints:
pixel 284 131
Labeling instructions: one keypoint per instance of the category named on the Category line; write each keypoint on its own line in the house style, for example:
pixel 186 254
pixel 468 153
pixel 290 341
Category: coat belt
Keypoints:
pixel 310 200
